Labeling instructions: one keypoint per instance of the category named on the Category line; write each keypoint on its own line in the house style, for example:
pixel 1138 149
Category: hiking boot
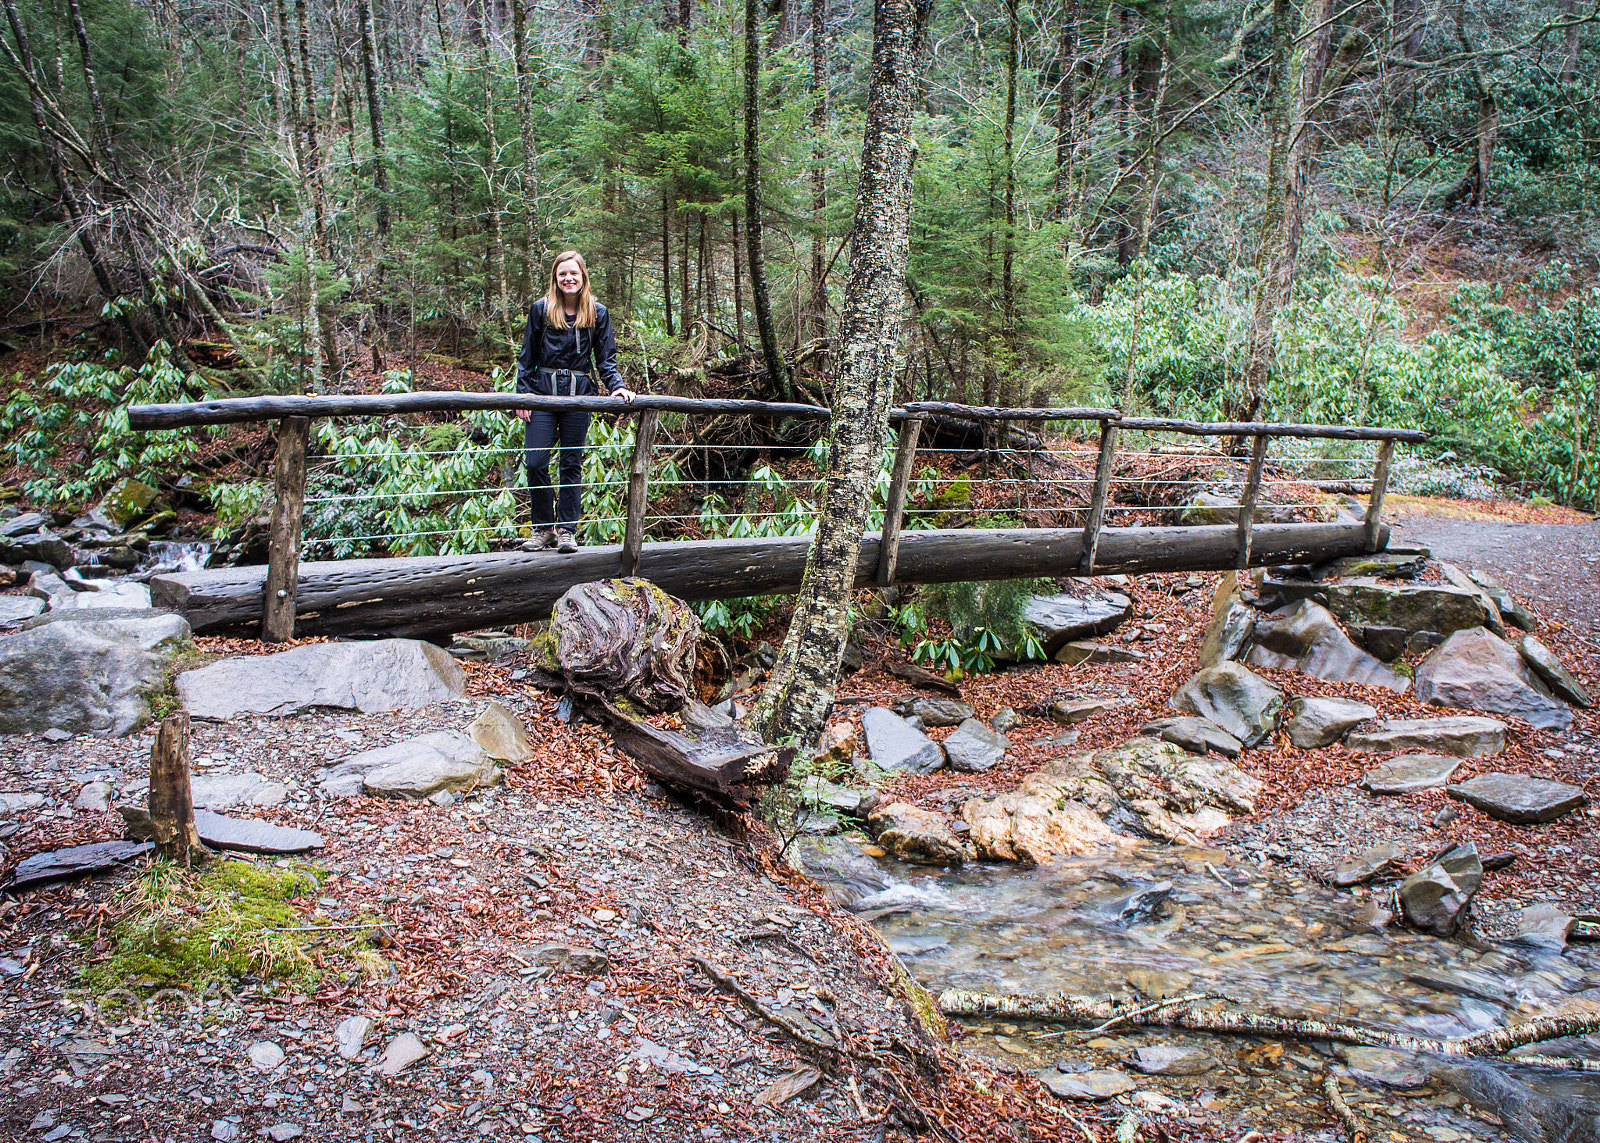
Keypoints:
pixel 566 543
pixel 541 539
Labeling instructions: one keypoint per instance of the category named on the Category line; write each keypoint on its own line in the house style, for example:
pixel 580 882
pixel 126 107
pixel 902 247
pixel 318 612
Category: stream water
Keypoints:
pixel 1162 921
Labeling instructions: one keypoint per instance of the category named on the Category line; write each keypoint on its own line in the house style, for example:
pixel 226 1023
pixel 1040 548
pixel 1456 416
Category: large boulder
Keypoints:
pixel 1313 722
pixel 1059 619
pixel 896 745
pixel 1476 670
pixel 1052 813
pixel 86 672
pixel 1464 736
pixel 443 761
pixel 914 834
pixel 1307 638
pixel 1239 701
pixel 624 640
pixel 387 674
pixel 1554 673
pixel 1410 607
pixel 1518 798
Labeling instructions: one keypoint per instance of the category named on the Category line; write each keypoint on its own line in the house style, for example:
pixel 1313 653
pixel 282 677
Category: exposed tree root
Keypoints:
pixel 1092 1010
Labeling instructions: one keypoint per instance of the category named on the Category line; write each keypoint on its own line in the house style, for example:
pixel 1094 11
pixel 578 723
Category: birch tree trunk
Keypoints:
pixel 800 690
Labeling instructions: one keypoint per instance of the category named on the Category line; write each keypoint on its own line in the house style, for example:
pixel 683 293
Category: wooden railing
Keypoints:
pixel 294 415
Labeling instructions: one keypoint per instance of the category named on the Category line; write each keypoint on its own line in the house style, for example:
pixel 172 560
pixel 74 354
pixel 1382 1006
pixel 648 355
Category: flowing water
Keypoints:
pixel 1159 921
pixel 175 556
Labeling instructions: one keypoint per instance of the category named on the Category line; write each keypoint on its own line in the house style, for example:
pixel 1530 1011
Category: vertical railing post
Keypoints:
pixel 894 507
pixel 1097 499
pixel 1247 502
pixel 283 542
pixel 644 440
pixel 1380 485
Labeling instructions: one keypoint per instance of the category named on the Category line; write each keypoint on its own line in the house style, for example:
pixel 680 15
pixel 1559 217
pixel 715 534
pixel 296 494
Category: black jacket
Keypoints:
pixel 545 347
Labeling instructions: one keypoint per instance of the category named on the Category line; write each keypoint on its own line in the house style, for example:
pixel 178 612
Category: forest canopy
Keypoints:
pixel 1376 212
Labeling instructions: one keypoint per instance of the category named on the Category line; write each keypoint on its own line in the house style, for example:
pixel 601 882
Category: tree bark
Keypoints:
pixel 380 153
pixel 1008 293
pixel 491 166
pixel 1263 316
pixel 820 39
pixel 777 370
pixel 171 802
pixel 530 146
pixel 800 690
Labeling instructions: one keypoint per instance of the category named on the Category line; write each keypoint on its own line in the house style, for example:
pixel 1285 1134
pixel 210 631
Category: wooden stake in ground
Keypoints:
pixel 171 803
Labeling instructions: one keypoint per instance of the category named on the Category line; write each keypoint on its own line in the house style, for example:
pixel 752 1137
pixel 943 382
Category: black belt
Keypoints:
pixel 573 376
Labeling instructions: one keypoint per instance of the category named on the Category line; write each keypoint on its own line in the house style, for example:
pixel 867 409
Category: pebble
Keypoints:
pixel 223 1131
pixel 265 1055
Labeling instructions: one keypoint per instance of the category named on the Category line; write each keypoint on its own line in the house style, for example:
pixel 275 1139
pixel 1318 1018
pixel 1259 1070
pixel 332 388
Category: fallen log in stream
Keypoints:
pixel 437 596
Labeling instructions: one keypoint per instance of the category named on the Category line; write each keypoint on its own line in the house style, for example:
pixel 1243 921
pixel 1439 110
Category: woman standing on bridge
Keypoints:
pixel 566 329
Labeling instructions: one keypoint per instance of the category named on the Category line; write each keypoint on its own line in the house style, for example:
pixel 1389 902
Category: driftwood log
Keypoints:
pixel 717 765
pixel 436 596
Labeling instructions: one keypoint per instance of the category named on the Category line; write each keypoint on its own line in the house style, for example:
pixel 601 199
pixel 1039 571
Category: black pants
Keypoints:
pixel 570 427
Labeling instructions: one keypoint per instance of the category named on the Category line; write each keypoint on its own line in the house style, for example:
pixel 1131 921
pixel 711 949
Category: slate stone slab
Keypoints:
pixel 1411 607
pixel 896 746
pixel 1476 670
pixel 1543 926
pixel 1380 565
pixel 973 748
pixel 1200 735
pixel 68 864
pixel 1465 736
pixel 1410 772
pixel 119 596
pixel 933 712
pixel 16 608
pixel 1081 651
pixel 1313 722
pixel 387 674
pixel 1305 637
pixel 1074 710
pixel 501 734
pixel 443 760
pixel 1061 618
pixel 1230 625
pixel 1171 1060
pixel 23 524
pixel 1544 663
pixel 224 791
pixel 845 873
pixel 1239 701
pixel 1518 798
pixel 251 836
pixel 1087 1086
pixel 1367 865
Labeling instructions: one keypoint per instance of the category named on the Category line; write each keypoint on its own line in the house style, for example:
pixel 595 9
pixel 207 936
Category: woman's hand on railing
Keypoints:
pixel 625 393
pixel 523 414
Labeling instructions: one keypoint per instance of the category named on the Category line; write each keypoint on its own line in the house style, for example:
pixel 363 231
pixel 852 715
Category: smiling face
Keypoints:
pixel 569 280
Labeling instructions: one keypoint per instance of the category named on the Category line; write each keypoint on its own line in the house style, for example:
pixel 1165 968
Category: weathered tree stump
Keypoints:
pixel 626 641
pixel 171 803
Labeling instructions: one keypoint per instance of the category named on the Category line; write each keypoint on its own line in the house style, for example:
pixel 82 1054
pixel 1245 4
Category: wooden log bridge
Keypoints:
pixel 433 597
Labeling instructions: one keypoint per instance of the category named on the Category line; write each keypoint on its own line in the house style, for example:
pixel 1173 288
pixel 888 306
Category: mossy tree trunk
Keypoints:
pixel 800 690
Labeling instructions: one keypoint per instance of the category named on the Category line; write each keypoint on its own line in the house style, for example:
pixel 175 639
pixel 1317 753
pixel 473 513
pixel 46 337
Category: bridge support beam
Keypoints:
pixel 435 596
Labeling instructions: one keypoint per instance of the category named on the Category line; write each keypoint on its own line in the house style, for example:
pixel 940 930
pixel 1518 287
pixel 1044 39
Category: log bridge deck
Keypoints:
pixel 437 596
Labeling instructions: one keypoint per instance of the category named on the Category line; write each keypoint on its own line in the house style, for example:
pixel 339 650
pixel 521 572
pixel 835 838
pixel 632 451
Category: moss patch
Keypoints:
pixel 219 924
pixel 164 700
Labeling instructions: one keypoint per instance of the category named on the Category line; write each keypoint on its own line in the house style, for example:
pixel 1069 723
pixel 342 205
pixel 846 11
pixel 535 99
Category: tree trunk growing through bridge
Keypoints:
pixel 800 690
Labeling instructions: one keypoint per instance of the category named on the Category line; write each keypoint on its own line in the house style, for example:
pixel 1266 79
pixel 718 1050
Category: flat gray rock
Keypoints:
pixel 1171 1060
pixel 224 791
pixel 501 734
pixel 1314 722
pixel 933 712
pixel 1464 736
pixel 1477 670
pixel 122 596
pixel 1435 897
pixel 973 748
pixel 23 524
pixel 88 675
pixel 250 836
pixel 443 760
pixel 1518 798
pixel 1087 1086
pixel 1074 710
pixel 819 793
pixel 1544 663
pixel 387 674
pixel 1305 637
pixel 1544 926
pixel 76 861
pixel 16 608
pixel 403 1051
pixel 93 796
pixel 1062 618
pixel 351 1035
pixel 1410 772
pixel 837 864
pixel 1200 735
pixel 1366 866
pixel 894 745
pixel 1411 607
pixel 1080 651
pixel 1239 701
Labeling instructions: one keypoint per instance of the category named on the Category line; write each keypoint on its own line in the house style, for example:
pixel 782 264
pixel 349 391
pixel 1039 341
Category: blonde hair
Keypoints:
pixel 555 308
